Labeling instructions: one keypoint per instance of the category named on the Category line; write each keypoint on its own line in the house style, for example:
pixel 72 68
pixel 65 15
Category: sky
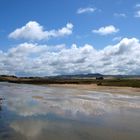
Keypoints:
pixel 41 37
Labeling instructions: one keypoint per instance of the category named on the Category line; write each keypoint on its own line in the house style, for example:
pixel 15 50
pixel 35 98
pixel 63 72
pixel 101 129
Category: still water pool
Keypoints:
pixel 29 112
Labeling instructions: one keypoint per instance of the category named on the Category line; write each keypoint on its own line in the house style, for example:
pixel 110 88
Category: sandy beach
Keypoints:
pixel 94 87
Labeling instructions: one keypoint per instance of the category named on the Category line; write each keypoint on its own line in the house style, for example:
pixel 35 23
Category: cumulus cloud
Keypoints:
pixel 106 30
pixel 34 31
pixel 33 59
pixel 86 10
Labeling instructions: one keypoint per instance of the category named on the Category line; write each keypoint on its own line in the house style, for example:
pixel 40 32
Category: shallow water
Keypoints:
pixel 29 112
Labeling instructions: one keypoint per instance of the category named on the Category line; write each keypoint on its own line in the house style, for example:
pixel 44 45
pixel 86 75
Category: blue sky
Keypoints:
pixel 98 23
pixel 55 14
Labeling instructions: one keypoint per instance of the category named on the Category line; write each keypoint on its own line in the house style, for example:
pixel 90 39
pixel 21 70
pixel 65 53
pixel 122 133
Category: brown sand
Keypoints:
pixel 94 87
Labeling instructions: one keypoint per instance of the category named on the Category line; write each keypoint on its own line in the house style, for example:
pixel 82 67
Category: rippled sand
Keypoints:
pixel 94 87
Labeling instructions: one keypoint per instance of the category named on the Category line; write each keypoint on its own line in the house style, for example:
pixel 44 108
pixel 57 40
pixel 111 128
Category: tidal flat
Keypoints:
pixel 32 112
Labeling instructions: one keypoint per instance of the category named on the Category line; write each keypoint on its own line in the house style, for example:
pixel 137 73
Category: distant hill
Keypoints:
pixel 72 76
pixel 90 75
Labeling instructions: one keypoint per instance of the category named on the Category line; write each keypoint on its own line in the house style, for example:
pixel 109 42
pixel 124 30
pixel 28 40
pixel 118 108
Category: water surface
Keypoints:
pixel 29 112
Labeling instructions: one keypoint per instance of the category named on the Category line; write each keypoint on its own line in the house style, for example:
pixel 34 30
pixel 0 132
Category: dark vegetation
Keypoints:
pixel 100 80
pixel 122 82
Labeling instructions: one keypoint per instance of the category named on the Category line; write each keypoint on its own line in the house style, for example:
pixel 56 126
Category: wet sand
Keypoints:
pixel 68 112
pixel 94 87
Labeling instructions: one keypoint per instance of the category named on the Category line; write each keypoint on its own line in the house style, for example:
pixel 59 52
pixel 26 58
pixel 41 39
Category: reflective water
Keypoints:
pixel 29 112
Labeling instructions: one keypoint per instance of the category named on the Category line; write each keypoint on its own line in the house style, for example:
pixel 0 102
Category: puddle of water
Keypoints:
pixel 31 112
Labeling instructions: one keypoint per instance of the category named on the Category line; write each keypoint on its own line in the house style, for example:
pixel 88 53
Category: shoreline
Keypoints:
pixel 84 86
pixel 94 87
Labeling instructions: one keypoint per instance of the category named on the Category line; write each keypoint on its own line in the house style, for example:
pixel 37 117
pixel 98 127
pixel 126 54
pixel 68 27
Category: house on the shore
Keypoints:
pixel 99 78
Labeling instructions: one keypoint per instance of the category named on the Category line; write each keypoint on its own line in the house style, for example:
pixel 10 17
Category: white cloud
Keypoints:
pixel 123 15
pixel 118 38
pixel 137 5
pixel 34 59
pixel 137 14
pixel 86 10
pixel 34 31
pixel 29 129
pixel 106 30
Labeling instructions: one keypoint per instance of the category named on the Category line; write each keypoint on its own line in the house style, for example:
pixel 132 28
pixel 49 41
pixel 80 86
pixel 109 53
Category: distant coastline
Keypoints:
pixel 97 79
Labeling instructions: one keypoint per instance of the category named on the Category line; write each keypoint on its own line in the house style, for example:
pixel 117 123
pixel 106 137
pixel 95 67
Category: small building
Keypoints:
pixel 100 78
